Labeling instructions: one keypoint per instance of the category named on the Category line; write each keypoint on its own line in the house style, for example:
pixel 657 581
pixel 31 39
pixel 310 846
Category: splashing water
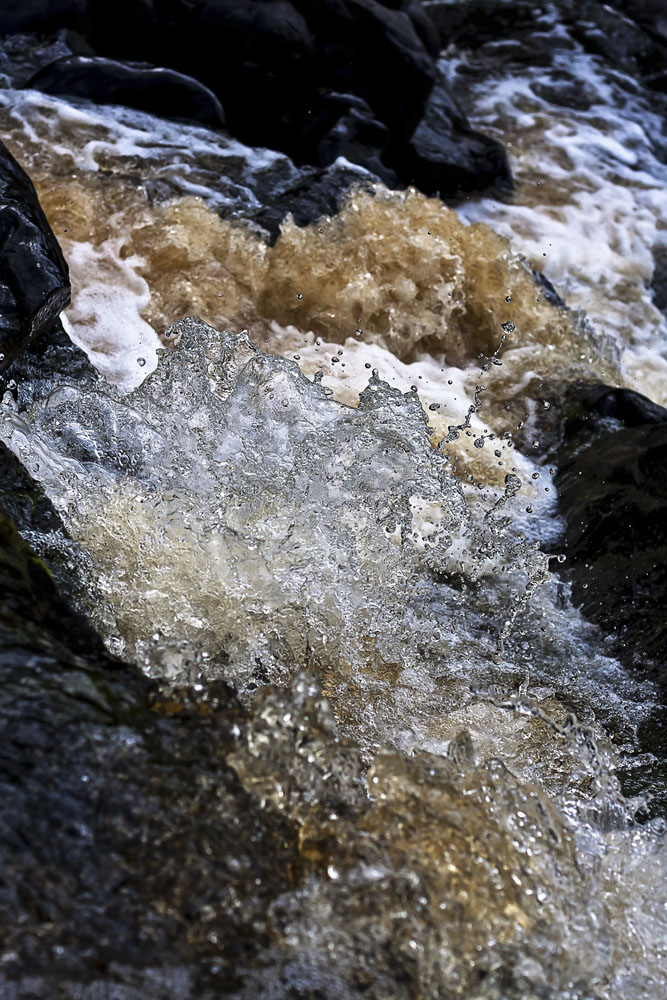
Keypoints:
pixel 448 758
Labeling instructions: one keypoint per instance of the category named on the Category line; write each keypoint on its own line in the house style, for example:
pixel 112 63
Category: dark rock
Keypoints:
pixel 370 50
pixel 659 278
pixel 270 63
pixel 34 279
pixel 548 290
pixel 318 192
pixel 610 34
pixel 446 156
pixel 651 15
pixel 472 23
pixel 125 28
pixel 612 483
pixel 345 126
pixel 42 16
pixel 159 91
pixel 128 843
pixel 255 56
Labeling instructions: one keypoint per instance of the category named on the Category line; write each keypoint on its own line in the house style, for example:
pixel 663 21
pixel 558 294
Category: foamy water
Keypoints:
pixel 587 150
pixel 337 490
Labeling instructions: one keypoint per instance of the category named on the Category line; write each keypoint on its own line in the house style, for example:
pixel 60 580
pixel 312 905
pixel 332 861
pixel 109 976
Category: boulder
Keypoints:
pixel 41 16
pixel 271 63
pixel 130 852
pixel 159 91
pixel 612 485
pixel 368 49
pixel 445 156
pixel 34 279
pixel 344 126
pixel 255 56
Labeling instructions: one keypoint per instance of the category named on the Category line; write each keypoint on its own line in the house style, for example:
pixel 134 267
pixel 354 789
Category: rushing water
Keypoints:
pixel 341 496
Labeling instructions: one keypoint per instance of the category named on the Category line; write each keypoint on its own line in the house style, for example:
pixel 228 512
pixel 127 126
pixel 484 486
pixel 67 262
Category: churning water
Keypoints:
pixel 328 483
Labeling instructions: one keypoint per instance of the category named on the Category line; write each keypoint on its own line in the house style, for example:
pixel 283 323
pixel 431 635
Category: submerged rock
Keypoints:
pixel 34 280
pixel 148 88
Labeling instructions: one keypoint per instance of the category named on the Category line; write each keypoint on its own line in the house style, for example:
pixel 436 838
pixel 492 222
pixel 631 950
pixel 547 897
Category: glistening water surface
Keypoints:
pixel 333 486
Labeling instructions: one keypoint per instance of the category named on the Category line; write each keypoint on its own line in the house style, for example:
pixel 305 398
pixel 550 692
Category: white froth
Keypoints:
pixel 590 205
pixel 104 318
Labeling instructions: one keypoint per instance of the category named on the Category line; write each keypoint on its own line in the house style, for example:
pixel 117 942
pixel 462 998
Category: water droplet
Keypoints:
pixel 508 327
pixel 141 362
pixel 299 295
pixel 546 404
pixel 508 298
pixel 358 332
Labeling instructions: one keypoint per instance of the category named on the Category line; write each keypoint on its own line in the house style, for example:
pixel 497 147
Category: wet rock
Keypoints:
pixel 42 16
pixel 446 156
pixel 314 194
pixel 128 842
pixel 293 59
pixel 612 483
pixel 474 22
pixel 375 52
pixel 159 91
pixel 254 56
pixel 611 34
pixel 34 279
pixel 345 126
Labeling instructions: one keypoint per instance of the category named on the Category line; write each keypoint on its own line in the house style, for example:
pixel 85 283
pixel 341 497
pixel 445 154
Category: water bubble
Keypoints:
pixel 299 295
pixel 546 404
pixel 508 327
pixel 141 362
pixel 508 298
pixel 358 332
pixel 434 406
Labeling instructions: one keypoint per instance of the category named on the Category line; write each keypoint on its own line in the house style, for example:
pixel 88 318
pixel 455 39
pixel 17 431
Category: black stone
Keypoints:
pixel 34 279
pixel 446 156
pixel 368 49
pixel 612 484
pixel 42 16
pixel 159 91
pixel 345 126
pixel 318 192
pixel 131 858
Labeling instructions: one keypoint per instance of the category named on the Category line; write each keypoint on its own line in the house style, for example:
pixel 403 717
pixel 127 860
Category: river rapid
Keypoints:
pixel 329 490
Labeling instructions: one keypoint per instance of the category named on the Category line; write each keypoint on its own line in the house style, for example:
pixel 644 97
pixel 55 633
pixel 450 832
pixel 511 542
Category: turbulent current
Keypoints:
pixel 329 491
